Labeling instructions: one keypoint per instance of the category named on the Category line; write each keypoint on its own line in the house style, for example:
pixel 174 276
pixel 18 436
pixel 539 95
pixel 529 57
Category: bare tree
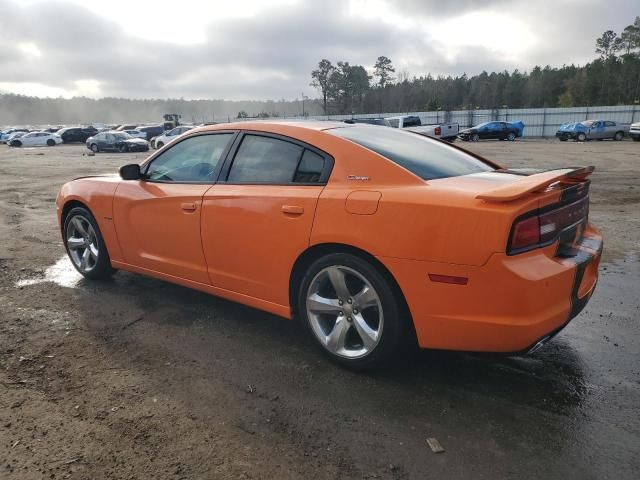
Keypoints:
pixel 608 44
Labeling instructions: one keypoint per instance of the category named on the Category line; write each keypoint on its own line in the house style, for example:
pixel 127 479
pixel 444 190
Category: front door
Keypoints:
pixel 257 219
pixel 157 219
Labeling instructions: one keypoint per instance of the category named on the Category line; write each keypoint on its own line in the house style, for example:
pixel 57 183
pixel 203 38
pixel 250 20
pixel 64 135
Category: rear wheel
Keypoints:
pixel 636 139
pixel 51 143
pixel 123 149
pixel 85 245
pixel 581 137
pixel 94 148
pixel 618 136
pixel 15 143
pixel 351 311
pixel 511 136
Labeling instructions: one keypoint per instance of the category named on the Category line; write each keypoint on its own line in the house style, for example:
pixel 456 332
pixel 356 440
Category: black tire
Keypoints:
pixel 102 269
pixel 123 149
pixel 159 145
pixel 51 143
pixel 475 137
pixel 15 143
pixel 618 136
pixel 581 137
pixel 94 148
pixel 511 136
pixel 395 323
pixel 563 138
pixel 636 139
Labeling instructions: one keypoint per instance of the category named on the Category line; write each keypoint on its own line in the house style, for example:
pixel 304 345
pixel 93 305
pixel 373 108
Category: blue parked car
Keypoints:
pixel 496 130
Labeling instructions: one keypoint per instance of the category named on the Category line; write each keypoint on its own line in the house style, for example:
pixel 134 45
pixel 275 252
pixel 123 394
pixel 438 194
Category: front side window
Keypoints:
pixel 265 160
pixel 425 157
pixel 191 160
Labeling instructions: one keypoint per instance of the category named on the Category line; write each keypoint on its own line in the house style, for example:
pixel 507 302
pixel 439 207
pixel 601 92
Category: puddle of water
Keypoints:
pixel 61 273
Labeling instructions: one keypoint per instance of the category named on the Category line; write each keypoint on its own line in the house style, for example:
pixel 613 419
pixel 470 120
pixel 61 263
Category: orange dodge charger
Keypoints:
pixel 370 235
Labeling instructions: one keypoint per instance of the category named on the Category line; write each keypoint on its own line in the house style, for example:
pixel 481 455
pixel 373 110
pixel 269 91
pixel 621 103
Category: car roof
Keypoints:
pixel 316 125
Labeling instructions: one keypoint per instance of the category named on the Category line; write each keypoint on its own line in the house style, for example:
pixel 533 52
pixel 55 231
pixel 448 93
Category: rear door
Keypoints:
pixel 158 218
pixel 257 218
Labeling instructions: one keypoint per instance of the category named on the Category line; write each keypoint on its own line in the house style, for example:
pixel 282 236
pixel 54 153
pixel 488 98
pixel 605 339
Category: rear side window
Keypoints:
pixel 265 160
pixel 310 168
pixel 427 158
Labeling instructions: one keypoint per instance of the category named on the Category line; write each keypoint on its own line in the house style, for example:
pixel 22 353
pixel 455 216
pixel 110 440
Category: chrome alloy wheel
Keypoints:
pixel 345 312
pixel 82 243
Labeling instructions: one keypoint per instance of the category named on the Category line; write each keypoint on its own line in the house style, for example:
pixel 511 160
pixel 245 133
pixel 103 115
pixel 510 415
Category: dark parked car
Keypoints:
pixel 493 130
pixel 152 130
pixel 115 141
pixel 76 134
pixel 370 121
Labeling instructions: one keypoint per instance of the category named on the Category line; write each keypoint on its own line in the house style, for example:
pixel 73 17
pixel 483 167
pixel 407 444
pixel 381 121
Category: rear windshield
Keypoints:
pixel 423 156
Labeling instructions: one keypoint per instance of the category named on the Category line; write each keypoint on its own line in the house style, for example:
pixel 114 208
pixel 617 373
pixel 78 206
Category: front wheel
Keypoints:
pixel 581 137
pixel 123 149
pixel 563 138
pixel 475 137
pixel 85 245
pixel 636 138
pixel 159 145
pixel 15 143
pixel 351 310
pixel 51 143
pixel 94 148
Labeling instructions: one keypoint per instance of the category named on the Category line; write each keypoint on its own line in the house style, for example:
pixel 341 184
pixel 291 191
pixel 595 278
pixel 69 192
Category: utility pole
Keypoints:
pixel 303 99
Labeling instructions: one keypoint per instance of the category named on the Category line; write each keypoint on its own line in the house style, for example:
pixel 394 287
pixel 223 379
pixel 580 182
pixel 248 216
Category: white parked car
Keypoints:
pixel 4 136
pixel 137 134
pixel 168 137
pixel 634 131
pixel 36 139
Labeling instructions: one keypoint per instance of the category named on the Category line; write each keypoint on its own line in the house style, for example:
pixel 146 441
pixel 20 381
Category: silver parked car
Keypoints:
pixel 593 130
pixel 634 131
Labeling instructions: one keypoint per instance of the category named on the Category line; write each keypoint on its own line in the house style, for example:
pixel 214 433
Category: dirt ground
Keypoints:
pixel 137 378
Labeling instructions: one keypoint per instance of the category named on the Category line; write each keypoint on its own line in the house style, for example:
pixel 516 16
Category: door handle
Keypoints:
pixel 292 209
pixel 188 207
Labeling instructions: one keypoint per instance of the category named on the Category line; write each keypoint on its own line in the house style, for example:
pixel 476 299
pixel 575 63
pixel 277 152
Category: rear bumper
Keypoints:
pixel 509 304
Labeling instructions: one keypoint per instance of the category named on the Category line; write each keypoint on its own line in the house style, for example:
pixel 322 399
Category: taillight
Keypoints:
pixel 438 131
pixel 537 230
pixel 526 233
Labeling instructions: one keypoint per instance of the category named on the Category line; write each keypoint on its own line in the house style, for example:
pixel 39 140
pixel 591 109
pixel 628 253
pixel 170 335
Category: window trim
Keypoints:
pixel 231 156
pixel 144 167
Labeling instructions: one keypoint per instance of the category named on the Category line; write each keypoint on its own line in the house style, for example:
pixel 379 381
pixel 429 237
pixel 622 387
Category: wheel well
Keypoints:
pixel 67 208
pixel 316 251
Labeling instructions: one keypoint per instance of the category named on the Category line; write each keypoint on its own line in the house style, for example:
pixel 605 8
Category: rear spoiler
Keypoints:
pixel 536 183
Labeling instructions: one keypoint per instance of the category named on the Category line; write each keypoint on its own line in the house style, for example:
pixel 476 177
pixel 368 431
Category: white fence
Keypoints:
pixel 539 122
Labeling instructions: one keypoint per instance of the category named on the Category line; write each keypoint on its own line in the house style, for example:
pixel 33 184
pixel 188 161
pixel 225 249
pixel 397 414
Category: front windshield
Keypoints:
pixel 483 124
pixel 588 123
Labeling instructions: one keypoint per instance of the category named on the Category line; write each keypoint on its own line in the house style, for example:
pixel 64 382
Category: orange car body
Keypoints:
pixel 444 242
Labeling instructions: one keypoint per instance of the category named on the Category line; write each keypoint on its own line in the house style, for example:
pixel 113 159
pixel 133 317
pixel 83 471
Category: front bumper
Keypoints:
pixel 571 135
pixel 509 304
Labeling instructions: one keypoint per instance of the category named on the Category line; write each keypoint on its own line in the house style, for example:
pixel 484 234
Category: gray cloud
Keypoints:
pixel 270 55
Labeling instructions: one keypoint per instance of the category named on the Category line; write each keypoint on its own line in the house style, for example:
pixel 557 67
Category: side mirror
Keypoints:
pixel 130 172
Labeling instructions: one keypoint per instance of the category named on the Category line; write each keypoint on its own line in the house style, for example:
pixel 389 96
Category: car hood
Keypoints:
pixel 572 127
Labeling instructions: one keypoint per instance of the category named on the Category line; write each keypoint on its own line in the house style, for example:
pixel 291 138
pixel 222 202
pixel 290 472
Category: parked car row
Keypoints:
pixel 493 130
pixel 116 141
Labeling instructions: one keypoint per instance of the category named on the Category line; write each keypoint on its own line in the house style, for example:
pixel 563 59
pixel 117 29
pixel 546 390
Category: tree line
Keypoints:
pixel 613 78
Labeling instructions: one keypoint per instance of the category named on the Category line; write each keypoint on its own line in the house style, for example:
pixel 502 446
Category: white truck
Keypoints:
pixel 443 131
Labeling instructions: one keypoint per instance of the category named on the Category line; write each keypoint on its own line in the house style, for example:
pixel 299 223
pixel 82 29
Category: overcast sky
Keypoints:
pixel 252 49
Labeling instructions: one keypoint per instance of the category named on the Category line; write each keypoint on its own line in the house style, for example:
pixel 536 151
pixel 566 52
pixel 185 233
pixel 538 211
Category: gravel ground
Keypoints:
pixel 137 378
